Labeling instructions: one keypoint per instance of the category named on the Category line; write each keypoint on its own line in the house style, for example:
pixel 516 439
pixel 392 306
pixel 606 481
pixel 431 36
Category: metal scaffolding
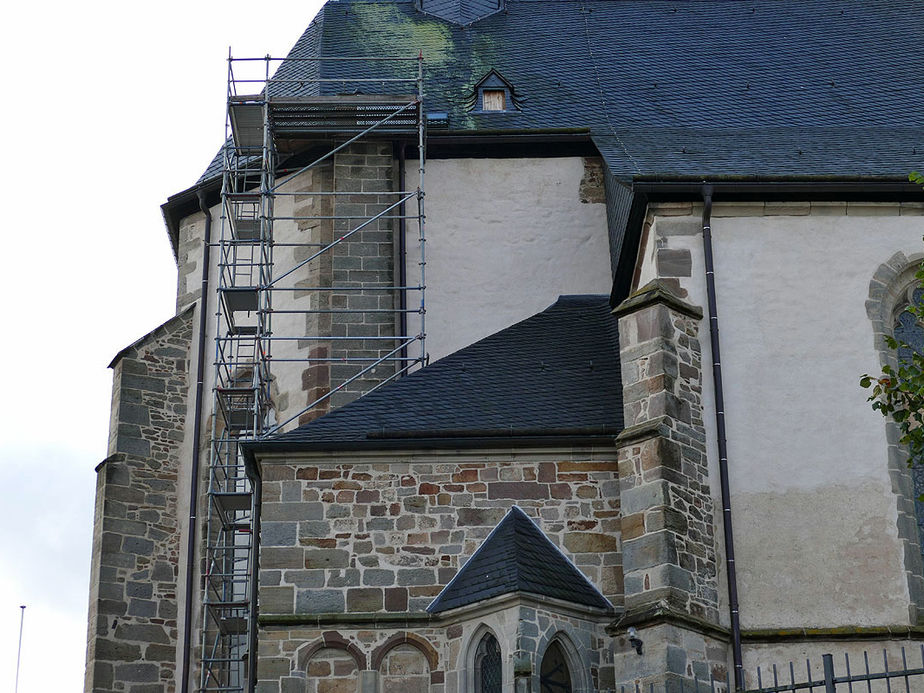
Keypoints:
pixel 273 138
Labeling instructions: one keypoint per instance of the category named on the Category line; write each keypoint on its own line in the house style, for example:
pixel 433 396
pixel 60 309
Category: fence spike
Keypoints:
pixel 885 661
pixel 828 669
pixel 808 670
pixel 849 678
pixel 776 680
pixel 869 685
pixel 905 667
pixel 792 676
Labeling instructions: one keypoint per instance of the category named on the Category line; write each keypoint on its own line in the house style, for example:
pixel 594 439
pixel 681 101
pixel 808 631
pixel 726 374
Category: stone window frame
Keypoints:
pixel 579 667
pixel 889 295
pixel 471 649
pixel 328 640
pixel 415 641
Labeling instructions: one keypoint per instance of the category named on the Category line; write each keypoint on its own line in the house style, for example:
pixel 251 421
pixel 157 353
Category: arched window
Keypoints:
pixel 892 290
pixel 554 675
pixel 488 665
pixel 908 327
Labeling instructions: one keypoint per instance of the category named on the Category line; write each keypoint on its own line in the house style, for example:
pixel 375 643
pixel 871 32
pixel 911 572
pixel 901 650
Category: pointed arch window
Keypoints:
pixel 908 328
pixel 554 675
pixel 488 665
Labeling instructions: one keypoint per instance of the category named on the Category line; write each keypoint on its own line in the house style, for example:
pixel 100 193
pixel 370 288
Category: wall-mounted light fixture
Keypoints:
pixel 634 640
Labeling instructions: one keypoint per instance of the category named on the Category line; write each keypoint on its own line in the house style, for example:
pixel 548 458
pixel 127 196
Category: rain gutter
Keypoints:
pixel 197 434
pixel 706 191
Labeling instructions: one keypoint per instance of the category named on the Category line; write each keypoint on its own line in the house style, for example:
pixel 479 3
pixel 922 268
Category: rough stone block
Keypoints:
pixel 416 576
pixel 648 551
pixel 141 632
pixel 320 601
pixel 326 558
pixel 674 262
pixel 379 577
pixel 277 600
pixel 137 672
pixel 517 490
pixel 396 599
pixel 480 517
pixel 365 599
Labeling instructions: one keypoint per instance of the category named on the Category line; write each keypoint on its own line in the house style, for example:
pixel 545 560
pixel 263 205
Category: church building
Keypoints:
pixel 517 350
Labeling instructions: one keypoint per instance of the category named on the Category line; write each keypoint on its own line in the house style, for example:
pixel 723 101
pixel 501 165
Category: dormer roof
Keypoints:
pixel 460 11
pixel 518 557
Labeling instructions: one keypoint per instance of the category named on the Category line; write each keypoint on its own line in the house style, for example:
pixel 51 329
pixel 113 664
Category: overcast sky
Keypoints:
pixel 108 108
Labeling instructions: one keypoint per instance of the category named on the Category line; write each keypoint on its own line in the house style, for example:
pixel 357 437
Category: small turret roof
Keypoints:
pixel 518 557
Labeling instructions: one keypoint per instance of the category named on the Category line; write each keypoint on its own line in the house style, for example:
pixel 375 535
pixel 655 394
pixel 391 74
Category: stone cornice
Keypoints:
pixel 887 632
pixel 657 614
pixel 653 428
pixel 656 292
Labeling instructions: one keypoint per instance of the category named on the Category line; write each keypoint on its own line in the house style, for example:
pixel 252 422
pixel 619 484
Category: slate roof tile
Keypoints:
pixel 555 373
pixel 676 82
pixel 517 557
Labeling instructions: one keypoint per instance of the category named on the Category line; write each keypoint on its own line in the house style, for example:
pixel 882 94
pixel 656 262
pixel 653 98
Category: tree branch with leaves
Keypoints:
pixel 898 393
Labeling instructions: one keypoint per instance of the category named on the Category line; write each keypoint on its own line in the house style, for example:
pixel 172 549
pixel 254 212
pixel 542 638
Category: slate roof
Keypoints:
pixel 551 376
pixel 517 557
pixel 670 87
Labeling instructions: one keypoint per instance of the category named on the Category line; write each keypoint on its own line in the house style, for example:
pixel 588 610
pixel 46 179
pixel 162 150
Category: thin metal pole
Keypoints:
pixel 421 214
pixel 827 661
pixel 22 617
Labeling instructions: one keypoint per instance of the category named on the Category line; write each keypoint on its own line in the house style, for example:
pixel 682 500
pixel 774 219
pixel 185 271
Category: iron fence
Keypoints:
pixel 834 675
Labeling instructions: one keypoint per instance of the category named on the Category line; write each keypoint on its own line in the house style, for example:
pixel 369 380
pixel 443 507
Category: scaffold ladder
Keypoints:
pixel 340 102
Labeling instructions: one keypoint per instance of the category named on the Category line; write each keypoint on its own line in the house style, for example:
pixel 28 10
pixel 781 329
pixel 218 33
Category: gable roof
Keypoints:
pixel 551 377
pixel 695 88
pixel 517 557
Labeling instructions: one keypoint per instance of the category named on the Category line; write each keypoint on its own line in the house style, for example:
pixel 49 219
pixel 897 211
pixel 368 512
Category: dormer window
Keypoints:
pixel 494 94
pixel 494 100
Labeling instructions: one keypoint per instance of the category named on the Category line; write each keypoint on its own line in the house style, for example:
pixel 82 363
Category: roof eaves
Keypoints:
pixel 252 449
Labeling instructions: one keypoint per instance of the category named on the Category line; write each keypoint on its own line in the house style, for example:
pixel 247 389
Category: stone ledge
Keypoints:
pixel 410 620
pixel 657 614
pixel 656 292
pixel 653 428
pixel 888 632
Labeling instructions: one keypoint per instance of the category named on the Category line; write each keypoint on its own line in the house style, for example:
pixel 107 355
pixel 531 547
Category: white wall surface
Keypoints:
pixel 813 510
pixel 505 238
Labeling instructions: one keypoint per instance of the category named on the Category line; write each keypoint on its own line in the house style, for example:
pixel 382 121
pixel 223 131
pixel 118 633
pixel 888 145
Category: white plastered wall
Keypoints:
pixel 505 238
pixel 814 513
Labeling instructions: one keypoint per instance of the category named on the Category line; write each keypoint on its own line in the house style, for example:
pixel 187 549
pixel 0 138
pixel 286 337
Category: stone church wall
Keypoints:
pixel 815 498
pixel 380 535
pixel 136 540
pixel 506 238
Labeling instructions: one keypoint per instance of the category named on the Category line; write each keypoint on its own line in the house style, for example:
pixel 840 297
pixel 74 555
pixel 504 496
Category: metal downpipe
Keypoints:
pixel 720 435
pixel 197 434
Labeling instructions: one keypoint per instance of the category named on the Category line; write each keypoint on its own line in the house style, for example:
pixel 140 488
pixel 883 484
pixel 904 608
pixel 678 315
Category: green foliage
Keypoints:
pixel 898 394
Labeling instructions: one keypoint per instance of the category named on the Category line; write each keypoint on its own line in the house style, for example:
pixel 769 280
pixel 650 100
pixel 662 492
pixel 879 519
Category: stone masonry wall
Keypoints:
pixel 359 263
pixel 667 523
pixel 669 544
pixel 365 259
pixel 132 634
pixel 380 536
pixel 429 654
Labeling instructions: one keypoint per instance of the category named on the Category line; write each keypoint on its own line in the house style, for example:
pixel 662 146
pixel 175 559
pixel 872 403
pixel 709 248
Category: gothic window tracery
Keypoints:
pixel 488 665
